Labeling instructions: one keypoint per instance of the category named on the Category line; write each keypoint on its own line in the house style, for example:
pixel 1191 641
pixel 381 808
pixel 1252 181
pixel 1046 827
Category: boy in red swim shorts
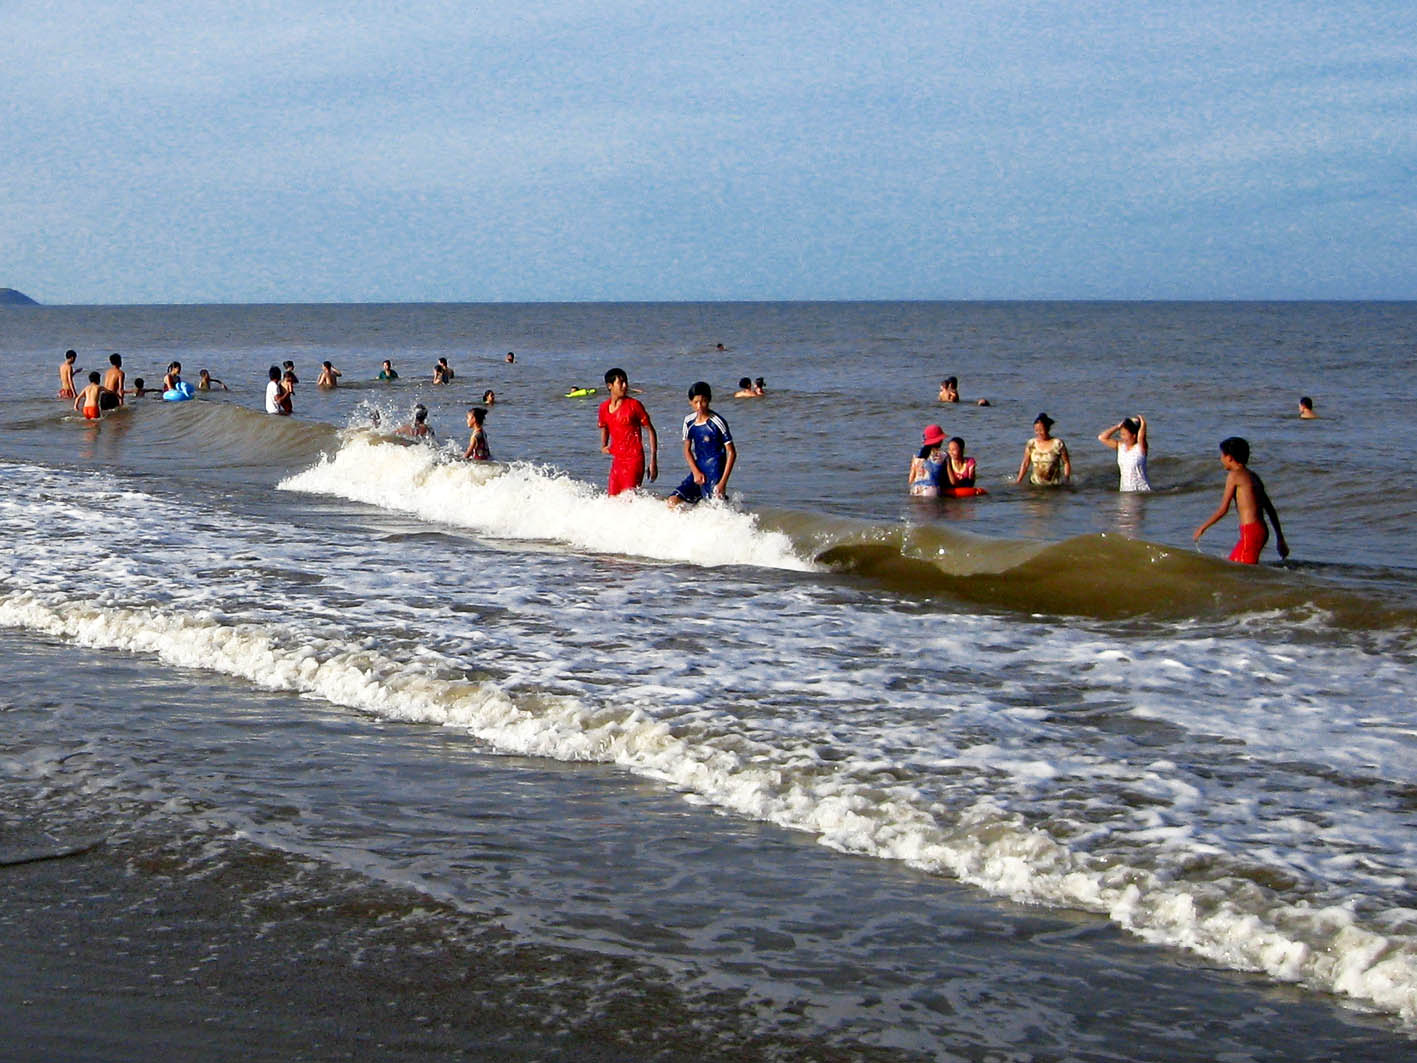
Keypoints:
pixel 621 420
pixel 1252 505
pixel 87 401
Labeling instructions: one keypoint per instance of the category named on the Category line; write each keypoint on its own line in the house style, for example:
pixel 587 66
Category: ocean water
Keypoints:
pixel 825 772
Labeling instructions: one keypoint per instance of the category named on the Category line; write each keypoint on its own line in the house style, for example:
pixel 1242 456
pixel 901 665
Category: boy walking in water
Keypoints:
pixel 708 448
pixel 115 380
pixel 1252 505
pixel 621 420
pixel 66 374
pixel 89 400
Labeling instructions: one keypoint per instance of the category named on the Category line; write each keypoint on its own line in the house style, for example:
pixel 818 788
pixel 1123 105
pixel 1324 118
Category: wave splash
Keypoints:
pixel 1226 919
pixel 536 503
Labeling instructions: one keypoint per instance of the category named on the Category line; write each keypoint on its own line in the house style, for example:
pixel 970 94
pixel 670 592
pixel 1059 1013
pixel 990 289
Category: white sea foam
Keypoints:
pixel 534 502
pixel 862 805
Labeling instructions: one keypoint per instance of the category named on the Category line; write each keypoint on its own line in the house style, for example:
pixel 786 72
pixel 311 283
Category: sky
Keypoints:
pixel 203 152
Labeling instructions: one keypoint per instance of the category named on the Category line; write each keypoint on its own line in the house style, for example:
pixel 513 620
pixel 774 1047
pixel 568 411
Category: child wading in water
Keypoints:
pixel 1252 505
pixel 708 448
pixel 477 448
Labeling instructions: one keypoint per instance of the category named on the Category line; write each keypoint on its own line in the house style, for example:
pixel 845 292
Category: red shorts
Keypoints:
pixel 1252 540
pixel 92 413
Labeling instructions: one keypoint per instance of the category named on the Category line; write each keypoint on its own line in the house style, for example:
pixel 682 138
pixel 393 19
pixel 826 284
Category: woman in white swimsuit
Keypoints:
pixel 1128 438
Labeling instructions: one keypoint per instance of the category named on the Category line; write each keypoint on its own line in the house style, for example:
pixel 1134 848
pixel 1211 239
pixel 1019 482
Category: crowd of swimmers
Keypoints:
pixel 622 419
pixel 940 466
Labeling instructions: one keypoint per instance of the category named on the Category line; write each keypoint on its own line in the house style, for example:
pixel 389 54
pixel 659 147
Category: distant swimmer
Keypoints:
pixel 1306 408
pixel 278 398
pixel 708 449
pixel 88 400
pixel 418 428
pixel 66 374
pixel 489 397
pixel 760 387
pixel 1045 457
pixel 949 392
pixel 720 347
pixel 388 372
pixel 1252 505
pixel 1128 438
pixel 207 382
pixel 622 420
pixel 511 357
pixel 927 468
pixel 745 389
pixel 140 391
pixel 329 376
pixel 443 372
pixel 478 449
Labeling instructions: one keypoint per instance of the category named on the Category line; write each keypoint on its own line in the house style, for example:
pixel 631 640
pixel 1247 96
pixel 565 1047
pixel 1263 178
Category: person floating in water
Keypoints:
pixel 622 420
pixel 1252 505
pixel 1128 438
pixel 1306 408
pixel 66 374
pixel 708 448
pixel 949 389
pixel 207 382
pixel 478 449
pixel 388 372
pixel 329 376
pixel 443 372
pixel 745 389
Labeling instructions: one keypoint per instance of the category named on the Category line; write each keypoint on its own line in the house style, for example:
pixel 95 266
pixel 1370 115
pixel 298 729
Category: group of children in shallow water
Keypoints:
pixel 936 471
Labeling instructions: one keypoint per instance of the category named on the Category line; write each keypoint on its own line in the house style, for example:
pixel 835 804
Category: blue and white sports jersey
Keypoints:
pixel 709 443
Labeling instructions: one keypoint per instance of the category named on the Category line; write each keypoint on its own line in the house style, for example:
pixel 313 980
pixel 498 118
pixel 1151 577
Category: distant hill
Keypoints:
pixel 10 297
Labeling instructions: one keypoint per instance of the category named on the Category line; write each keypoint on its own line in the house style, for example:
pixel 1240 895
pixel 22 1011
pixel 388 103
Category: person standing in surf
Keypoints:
pixel 1128 438
pixel 1045 457
pixel 622 420
pixel 1252 505
pixel 708 449
pixel 66 375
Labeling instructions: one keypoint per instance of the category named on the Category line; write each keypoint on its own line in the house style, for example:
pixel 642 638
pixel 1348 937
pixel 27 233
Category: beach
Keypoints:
pixel 341 746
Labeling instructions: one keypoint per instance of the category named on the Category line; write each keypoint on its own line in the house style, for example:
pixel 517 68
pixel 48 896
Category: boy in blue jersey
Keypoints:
pixel 708 448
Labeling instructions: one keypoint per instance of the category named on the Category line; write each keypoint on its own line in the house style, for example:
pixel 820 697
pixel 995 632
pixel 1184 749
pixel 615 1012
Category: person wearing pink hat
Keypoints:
pixel 925 467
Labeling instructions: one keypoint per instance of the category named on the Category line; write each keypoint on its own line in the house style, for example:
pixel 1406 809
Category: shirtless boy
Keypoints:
pixel 329 376
pixel 114 379
pixel 66 375
pixel 1252 505
pixel 621 421
pixel 89 400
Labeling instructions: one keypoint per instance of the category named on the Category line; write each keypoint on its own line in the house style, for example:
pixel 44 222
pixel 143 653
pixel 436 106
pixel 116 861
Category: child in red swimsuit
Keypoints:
pixel 88 399
pixel 621 420
pixel 1252 505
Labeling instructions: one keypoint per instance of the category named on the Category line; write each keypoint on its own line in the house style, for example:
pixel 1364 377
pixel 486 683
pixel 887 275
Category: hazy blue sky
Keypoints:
pixel 194 151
